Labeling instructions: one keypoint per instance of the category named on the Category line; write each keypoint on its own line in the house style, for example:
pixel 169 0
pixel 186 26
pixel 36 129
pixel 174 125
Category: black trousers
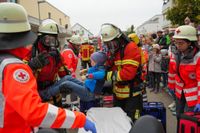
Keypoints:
pixel 132 106
pixel 85 63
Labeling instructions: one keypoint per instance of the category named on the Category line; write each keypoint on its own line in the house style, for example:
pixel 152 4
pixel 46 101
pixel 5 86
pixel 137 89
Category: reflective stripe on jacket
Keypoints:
pixel 189 80
pixel 23 107
pixel 125 69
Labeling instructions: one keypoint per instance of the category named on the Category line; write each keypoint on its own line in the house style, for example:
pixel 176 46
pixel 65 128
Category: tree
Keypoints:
pixel 130 30
pixel 183 9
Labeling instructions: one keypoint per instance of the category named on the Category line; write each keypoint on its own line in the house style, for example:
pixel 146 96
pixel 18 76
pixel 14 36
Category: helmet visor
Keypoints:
pixel 50 41
pixel 112 46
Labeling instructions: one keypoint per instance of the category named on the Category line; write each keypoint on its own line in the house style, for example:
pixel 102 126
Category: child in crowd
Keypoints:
pixel 155 67
pixel 94 81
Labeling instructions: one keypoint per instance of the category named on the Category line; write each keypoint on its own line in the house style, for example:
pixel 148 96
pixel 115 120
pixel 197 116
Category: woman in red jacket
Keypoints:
pixel 184 70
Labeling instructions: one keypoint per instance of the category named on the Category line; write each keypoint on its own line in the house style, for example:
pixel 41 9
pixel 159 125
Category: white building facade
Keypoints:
pixel 152 25
pixel 80 30
pixel 167 4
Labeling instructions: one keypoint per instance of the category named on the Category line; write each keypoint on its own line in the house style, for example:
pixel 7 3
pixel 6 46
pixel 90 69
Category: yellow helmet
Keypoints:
pixel 186 32
pixel 48 26
pixel 109 32
pixel 133 37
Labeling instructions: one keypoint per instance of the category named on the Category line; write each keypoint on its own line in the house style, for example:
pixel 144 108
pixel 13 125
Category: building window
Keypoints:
pixel 165 2
pixel 49 15
pixel 60 20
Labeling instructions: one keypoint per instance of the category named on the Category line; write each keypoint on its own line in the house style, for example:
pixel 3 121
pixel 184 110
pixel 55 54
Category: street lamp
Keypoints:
pixel 39 2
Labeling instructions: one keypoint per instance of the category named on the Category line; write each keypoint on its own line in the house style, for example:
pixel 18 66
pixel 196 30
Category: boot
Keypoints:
pixel 171 105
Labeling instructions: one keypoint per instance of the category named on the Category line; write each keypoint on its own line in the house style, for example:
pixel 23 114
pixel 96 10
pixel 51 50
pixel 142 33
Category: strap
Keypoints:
pixel 3 64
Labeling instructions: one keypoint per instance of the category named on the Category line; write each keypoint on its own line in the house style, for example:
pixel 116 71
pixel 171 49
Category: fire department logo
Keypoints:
pixel 192 75
pixel 21 75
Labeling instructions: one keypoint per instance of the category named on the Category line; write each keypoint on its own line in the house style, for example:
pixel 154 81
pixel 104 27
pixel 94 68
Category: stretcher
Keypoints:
pixel 109 120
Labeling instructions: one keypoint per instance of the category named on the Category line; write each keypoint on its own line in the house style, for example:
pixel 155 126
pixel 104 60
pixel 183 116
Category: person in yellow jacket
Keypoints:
pixel 123 63
pixel 21 107
pixel 86 50
pixel 144 59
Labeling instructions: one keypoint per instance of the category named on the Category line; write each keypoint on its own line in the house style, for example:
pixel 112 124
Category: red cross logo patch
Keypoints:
pixel 178 31
pixel 21 76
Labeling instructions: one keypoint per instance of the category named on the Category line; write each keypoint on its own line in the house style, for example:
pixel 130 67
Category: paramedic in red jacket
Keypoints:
pixel 20 104
pixel 184 70
pixel 123 64
pixel 70 53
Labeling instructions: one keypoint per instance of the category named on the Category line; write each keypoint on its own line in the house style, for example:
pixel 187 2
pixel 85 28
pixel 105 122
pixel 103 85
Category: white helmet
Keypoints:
pixel 15 30
pixel 85 40
pixel 186 32
pixel 109 32
pixel 76 39
pixel 164 52
pixel 48 26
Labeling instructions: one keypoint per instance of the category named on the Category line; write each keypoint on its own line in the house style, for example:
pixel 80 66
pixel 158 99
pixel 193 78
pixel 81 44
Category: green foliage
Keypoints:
pixel 130 30
pixel 183 9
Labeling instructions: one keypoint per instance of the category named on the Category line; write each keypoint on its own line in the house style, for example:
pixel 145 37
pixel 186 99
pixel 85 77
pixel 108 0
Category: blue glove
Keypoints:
pixel 197 108
pixel 89 126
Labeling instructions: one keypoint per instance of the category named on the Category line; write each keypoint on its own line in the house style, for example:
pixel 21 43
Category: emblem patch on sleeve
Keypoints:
pixel 70 56
pixel 21 76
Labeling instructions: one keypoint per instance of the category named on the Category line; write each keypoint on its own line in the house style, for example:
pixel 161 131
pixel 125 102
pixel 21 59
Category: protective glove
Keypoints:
pixel 83 77
pixel 39 61
pixel 197 108
pixel 83 71
pixel 90 126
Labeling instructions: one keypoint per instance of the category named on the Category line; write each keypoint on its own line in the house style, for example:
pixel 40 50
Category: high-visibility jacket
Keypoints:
pixel 71 60
pixel 21 106
pixel 187 81
pixel 125 69
pixel 86 50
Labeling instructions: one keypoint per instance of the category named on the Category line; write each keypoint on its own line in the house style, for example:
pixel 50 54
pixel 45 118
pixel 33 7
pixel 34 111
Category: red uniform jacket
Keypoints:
pixel 22 105
pixel 188 81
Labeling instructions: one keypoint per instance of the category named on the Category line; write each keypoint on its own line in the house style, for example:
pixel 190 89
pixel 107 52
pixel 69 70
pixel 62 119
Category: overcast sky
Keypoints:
pixel 123 13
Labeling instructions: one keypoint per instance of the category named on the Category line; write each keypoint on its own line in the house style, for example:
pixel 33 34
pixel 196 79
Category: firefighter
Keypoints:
pixel 70 53
pixel 86 50
pixel 123 64
pixel 20 104
pixel 184 70
pixel 47 62
pixel 133 37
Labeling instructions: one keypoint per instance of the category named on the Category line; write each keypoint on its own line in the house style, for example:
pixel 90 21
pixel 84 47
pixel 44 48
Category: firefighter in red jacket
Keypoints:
pixel 70 53
pixel 123 64
pixel 47 62
pixel 184 70
pixel 20 105
pixel 86 50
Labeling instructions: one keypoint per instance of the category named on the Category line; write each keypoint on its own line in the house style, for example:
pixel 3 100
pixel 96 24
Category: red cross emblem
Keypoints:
pixel 178 31
pixel 21 75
